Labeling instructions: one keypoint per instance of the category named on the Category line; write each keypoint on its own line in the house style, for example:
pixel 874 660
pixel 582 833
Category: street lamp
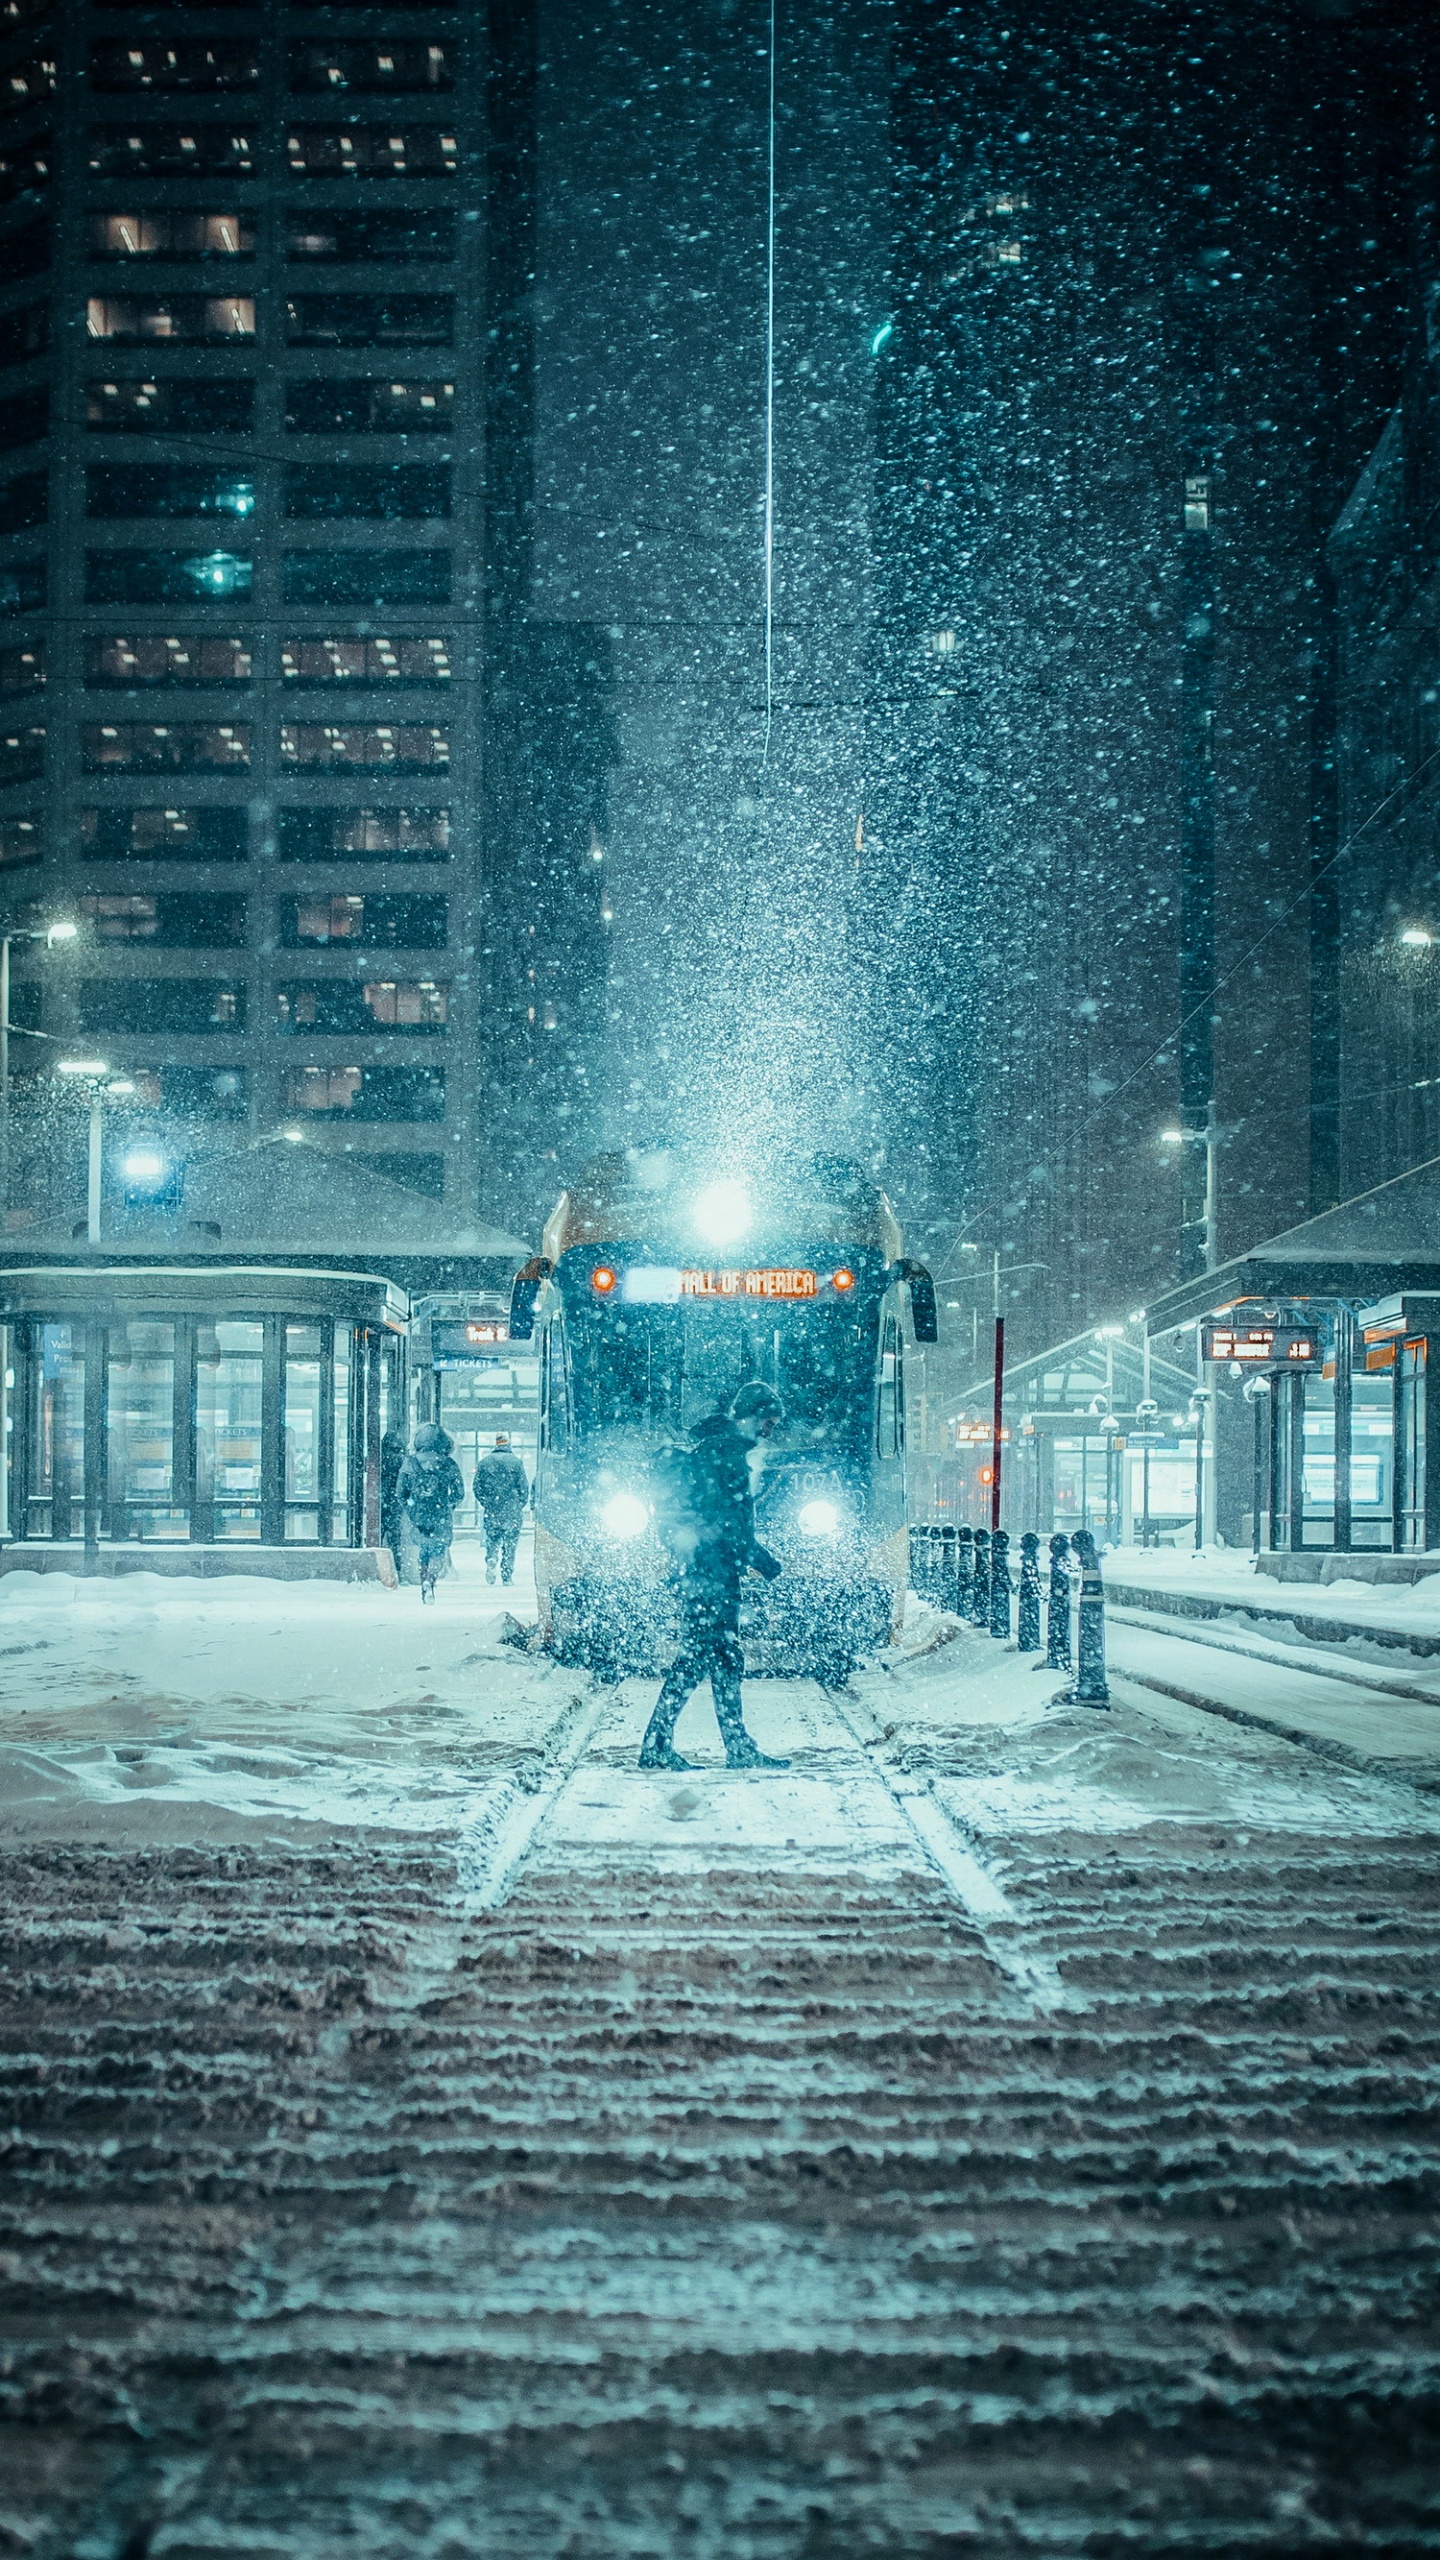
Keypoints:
pixel 103 1087
pixel 62 929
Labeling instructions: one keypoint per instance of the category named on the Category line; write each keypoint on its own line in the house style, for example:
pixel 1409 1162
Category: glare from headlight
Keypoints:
pixel 723 1213
pixel 624 1516
pixel 819 1520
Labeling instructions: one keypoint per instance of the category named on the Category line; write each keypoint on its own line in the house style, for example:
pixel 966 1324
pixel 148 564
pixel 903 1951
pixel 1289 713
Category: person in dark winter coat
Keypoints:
pixel 502 1490
pixel 428 1486
pixel 708 1523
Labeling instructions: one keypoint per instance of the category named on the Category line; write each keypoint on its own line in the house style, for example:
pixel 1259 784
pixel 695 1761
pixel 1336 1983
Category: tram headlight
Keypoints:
pixel 723 1213
pixel 819 1519
pixel 624 1516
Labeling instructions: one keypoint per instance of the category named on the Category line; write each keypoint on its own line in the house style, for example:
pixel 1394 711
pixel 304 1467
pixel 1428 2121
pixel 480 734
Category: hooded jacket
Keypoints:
pixel 430 1484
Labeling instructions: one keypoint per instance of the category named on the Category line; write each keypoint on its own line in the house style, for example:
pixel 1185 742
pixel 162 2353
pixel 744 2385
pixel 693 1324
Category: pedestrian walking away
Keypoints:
pixel 705 1515
pixel 428 1488
pixel 502 1490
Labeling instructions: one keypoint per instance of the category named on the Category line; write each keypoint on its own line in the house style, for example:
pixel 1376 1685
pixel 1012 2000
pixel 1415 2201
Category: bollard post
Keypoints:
pixel 1000 1585
pixel 946 1582
pixel 1028 1633
pixel 1091 1689
pixel 980 1591
pixel 1057 1652
pixel 964 1571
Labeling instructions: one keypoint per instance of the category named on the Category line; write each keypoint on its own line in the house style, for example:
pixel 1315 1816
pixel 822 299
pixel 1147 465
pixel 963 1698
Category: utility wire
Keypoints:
pixel 770 416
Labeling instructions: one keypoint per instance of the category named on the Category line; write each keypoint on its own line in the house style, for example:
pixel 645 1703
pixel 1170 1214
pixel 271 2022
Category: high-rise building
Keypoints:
pixel 241 395
pixel 1150 301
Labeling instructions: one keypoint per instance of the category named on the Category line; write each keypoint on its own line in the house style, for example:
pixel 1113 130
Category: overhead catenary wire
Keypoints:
pixel 770 408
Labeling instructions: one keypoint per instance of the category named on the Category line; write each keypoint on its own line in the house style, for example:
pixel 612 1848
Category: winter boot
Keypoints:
pixel 489 1573
pixel 741 1750
pixel 657 1750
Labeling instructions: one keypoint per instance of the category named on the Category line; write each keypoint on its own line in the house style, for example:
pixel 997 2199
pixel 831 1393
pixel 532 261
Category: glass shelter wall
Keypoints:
pixel 150 1428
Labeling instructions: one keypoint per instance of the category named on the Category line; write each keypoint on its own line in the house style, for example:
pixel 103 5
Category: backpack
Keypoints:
pixel 677 1495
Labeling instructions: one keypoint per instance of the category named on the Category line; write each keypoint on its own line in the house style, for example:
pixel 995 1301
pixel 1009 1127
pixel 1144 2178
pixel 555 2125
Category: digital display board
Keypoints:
pixel 1262 1346
pixel 748 1284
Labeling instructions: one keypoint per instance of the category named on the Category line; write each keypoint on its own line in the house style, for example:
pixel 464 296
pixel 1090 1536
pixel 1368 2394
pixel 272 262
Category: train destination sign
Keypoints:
pixel 644 1284
pixel 1263 1346
pixel 748 1284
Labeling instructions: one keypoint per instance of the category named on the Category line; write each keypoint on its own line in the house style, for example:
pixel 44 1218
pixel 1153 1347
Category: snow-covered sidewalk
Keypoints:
pixel 1377 1620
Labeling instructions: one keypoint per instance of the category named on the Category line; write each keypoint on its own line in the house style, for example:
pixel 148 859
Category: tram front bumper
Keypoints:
pixel 621 1623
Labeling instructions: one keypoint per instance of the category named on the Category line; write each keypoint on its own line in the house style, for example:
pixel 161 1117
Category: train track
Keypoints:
pixel 1290 1706
pixel 756 2208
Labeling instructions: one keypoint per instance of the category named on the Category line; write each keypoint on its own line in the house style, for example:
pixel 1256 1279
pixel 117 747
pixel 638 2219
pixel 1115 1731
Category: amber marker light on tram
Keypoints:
pixel 602 1279
pixel 842 1280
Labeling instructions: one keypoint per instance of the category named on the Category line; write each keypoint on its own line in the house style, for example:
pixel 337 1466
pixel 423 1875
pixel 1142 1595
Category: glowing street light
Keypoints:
pixel 104 1087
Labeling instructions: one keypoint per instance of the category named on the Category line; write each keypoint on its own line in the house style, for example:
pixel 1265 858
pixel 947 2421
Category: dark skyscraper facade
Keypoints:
pixel 241 391
pixel 1152 286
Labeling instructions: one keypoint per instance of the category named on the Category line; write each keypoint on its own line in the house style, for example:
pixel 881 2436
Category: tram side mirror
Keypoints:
pixel 922 1298
pixel 525 1291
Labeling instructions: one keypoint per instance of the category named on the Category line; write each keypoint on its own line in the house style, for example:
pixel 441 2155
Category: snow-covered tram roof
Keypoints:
pixel 650 1197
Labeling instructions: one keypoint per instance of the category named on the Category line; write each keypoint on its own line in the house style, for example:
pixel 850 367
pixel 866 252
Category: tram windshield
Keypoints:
pixel 662 1369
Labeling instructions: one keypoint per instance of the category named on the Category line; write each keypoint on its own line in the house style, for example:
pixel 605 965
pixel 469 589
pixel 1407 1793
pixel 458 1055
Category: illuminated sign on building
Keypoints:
pixel 1262 1346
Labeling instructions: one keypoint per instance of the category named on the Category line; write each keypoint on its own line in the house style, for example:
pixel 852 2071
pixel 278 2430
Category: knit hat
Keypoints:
pixel 756 1403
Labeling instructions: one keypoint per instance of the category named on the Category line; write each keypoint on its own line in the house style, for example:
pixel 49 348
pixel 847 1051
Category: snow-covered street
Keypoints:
pixel 428 2133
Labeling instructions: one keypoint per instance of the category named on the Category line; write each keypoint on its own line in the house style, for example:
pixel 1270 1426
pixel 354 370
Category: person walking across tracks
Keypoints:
pixel 502 1490
pixel 428 1487
pixel 706 1518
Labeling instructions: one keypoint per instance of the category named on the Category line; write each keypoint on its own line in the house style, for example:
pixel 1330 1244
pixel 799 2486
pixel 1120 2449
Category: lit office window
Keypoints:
pixel 174 747
pixel 371 151
pixel 376 835
pixel 177 920
pixel 21 840
pixel 164 577
pixel 353 238
pixel 171 235
pixel 311 747
pixel 22 755
pixel 215 834
pixel 342 406
pixel 175 318
pixel 371 65
pixel 365 662
pixel 167 489
pixel 169 408
pixel 367 1093
pixel 22 670
pixel 397 923
pixel 149 659
pixel 170 151
pixel 194 63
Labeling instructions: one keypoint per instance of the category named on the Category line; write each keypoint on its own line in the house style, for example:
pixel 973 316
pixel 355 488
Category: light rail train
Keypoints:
pixel 662 1287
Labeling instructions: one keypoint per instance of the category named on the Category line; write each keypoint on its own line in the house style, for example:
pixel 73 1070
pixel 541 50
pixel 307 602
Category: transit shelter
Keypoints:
pixel 237 1408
